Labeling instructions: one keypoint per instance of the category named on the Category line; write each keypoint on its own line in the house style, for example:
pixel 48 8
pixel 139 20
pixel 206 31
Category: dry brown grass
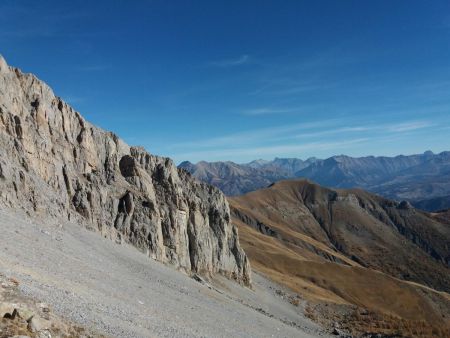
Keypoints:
pixel 360 322
pixel 313 221
pixel 308 222
pixel 395 307
pixel 11 328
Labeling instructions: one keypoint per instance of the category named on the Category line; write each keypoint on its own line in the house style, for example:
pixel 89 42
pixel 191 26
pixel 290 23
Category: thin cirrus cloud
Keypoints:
pixel 391 128
pixel 267 111
pixel 286 87
pixel 254 135
pixel 231 62
pixel 334 131
pixel 409 126
pixel 291 149
pixel 294 140
pixel 385 128
pixel 291 132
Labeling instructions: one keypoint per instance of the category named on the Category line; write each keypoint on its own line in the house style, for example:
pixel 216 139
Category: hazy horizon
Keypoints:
pixel 319 158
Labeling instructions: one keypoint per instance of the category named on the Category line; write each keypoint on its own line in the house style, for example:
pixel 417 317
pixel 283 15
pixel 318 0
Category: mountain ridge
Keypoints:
pixel 404 177
pixel 53 163
pixel 356 252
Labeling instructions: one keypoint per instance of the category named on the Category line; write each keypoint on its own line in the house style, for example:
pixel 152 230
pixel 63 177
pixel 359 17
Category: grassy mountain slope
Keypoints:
pixel 352 249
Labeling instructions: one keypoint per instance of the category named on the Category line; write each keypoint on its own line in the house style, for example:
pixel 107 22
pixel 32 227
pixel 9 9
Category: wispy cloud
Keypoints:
pixel 292 149
pixel 231 62
pixel 267 111
pixel 253 136
pixel 286 86
pixel 409 126
pixel 383 128
pixel 334 131
pixel 295 132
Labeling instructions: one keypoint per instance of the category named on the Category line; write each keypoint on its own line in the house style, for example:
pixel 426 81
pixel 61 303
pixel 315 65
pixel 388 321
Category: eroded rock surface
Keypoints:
pixel 53 163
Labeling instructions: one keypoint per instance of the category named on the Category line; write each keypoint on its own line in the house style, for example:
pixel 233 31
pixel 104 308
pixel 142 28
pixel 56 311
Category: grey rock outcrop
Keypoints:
pixel 53 163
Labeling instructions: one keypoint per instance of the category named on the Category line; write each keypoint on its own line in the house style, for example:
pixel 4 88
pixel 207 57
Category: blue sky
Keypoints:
pixel 241 80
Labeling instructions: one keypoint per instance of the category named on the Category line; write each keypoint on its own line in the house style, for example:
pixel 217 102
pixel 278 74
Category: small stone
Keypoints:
pixel 340 333
pixel 44 334
pixel 44 307
pixel 31 326
pixel 198 278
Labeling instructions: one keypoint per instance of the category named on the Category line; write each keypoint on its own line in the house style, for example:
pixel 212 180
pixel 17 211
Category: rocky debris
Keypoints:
pixel 23 317
pixel 44 334
pixel 16 322
pixel 53 163
pixel 338 332
pixel 294 299
pixel 97 284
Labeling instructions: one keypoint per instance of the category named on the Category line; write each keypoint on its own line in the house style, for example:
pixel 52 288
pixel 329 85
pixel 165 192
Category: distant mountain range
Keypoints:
pixel 422 179
pixel 237 179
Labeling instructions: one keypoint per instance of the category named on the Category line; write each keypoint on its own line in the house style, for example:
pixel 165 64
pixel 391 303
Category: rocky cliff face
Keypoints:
pixel 53 163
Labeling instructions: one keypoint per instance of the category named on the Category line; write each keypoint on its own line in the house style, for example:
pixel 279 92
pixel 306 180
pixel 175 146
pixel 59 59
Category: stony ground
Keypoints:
pixel 116 290
pixel 22 316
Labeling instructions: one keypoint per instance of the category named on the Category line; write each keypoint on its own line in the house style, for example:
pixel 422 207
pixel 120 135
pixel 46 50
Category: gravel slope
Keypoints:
pixel 117 290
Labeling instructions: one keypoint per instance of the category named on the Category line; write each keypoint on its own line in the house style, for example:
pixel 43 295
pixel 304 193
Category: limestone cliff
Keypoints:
pixel 53 163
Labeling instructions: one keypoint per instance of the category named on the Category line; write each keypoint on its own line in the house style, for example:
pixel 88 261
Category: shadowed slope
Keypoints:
pixel 371 231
